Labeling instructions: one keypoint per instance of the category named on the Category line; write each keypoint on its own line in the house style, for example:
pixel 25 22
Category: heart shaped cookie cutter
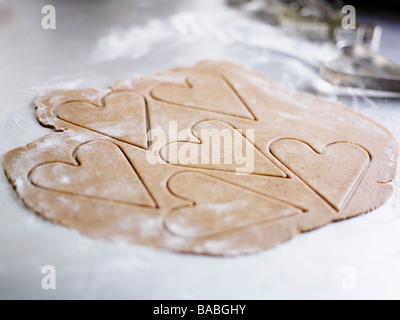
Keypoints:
pixel 358 66
pixel 361 67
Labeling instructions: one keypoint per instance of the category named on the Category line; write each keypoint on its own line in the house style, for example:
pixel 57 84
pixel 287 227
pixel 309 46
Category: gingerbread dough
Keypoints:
pixel 313 161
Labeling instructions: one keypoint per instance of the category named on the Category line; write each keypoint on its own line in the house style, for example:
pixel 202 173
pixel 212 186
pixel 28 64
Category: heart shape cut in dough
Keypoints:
pixel 102 172
pixel 221 148
pixel 219 206
pixel 123 117
pixel 334 173
pixel 205 92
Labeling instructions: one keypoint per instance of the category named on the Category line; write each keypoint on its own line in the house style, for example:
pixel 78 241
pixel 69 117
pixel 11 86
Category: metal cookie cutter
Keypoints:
pixel 361 67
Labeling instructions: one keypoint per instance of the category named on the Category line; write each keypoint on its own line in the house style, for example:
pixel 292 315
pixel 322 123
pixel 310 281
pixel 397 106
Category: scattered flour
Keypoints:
pixel 130 43
pixel 228 27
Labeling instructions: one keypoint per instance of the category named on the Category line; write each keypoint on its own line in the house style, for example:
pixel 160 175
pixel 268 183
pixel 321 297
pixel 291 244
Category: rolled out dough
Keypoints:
pixel 107 173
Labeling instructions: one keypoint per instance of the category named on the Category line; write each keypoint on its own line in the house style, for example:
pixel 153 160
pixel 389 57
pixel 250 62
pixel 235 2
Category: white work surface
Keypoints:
pixel 99 42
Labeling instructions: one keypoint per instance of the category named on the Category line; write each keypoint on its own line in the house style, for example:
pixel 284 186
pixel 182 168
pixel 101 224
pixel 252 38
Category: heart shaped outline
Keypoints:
pixel 190 86
pixel 353 188
pixel 78 164
pixel 103 106
pixel 281 174
pixel 296 210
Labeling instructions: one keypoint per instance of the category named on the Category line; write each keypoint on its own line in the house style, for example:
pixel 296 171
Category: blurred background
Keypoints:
pixel 301 44
pixel 110 40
